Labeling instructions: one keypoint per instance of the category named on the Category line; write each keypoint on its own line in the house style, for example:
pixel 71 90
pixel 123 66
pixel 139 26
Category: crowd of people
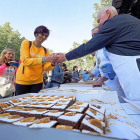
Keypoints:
pixel 115 43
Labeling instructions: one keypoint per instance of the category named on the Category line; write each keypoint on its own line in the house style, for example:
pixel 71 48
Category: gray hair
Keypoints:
pixel 111 8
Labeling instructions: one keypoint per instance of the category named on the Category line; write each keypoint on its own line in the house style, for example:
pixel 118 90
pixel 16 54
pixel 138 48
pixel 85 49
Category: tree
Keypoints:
pixel 97 7
pixel 10 39
pixel 83 63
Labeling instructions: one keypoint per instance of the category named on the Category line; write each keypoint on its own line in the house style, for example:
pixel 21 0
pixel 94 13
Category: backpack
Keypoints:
pixel 30 44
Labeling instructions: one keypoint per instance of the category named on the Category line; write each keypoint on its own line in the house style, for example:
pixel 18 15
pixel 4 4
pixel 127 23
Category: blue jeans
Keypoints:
pixel 52 84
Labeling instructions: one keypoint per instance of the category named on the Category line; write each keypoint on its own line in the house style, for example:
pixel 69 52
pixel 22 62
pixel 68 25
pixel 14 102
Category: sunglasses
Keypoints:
pixel 10 54
pixel 44 35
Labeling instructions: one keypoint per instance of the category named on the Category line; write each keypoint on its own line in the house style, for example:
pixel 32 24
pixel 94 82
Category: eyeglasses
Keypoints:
pixel 10 54
pixel 44 35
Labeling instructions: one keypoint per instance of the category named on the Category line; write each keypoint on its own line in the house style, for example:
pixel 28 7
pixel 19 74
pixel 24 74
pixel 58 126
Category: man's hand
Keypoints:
pixel 59 60
pixel 99 83
pixel 50 58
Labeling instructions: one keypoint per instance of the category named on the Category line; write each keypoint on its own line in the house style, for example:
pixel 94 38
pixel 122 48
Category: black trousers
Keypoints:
pixel 23 89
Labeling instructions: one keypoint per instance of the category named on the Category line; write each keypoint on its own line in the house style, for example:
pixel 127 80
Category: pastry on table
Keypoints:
pixel 53 114
pixel 98 108
pixel 41 105
pixel 93 125
pixel 77 108
pixel 37 113
pixel 13 110
pixel 70 119
pixel 25 121
pixel 64 127
pixel 44 123
pixel 81 104
pixel 10 118
pixel 65 102
pixel 24 112
pixel 5 106
pixel 95 114
pixel 60 107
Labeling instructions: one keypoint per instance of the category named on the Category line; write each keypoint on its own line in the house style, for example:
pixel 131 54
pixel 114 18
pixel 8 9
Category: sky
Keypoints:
pixel 69 20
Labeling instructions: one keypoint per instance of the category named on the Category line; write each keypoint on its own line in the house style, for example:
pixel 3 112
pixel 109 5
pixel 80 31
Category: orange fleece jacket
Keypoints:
pixel 31 68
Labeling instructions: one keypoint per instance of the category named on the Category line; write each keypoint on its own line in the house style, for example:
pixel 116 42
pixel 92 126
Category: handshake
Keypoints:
pixel 55 58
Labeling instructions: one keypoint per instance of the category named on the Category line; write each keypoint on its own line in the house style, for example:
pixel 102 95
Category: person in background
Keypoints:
pixel 68 79
pixel 44 78
pixel 75 75
pixel 68 72
pixel 7 71
pixel 57 76
pixel 34 59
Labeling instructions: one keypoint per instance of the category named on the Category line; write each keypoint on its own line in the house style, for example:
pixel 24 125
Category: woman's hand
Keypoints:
pixel 10 62
pixel 50 58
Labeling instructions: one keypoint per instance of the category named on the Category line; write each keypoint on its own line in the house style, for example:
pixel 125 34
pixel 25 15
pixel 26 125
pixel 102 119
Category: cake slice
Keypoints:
pixel 76 109
pixel 64 127
pixel 37 113
pixel 44 123
pixel 93 125
pixel 98 108
pixel 95 114
pixel 25 121
pixel 53 114
pixel 60 107
pixel 70 119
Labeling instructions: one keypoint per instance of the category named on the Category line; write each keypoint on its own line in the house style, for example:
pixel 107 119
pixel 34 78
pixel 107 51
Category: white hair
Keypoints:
pixel 111 8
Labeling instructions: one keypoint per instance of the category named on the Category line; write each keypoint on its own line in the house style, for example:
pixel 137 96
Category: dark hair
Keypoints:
pixel 41 29
pixel 63 65
pixel 74 67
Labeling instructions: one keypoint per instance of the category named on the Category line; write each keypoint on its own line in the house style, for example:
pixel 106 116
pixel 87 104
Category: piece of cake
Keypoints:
pixel 25 121
pixel 53 114
pixel 44 123
pixel 98 108
pixel 64 127
pixel 82 104
pixel 31 96
pixel 24 104
pixel 13 110
pixel 10 119
pixel 72 99
pixel 15 102
pixel 24 98
pixel 70 119
pixel 63 101
pixel 24 112
pixel 5 105
pixel 60 107
pixel 44 96
pixel 76 109
pixel 93 125
pixel 37 113
pixel 52 101
pixel 41 105
pixel 4 114
pixel 95 114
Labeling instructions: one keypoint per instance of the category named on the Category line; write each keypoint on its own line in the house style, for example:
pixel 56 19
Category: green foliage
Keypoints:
pixel 83 63
pixel 10 39
pixel 97 7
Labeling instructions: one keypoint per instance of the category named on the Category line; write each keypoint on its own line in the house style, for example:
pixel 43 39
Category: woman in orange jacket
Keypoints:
pixel 34 59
